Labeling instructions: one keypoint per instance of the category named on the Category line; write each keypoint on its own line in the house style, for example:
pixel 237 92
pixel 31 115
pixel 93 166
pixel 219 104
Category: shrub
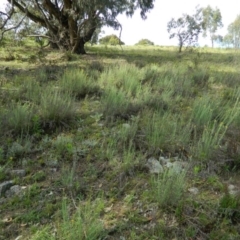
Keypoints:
pixel 19 118
pixel 77 83
pixel 145 42
pixel 111 40
pixel 56 108
pixel 168 188
pixel 125 77
pixel 83 224
pixel 115 103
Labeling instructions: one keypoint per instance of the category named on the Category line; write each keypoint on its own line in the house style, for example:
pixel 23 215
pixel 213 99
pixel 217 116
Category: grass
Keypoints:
pixel 168 188
pixel 83 128
pixel 77 83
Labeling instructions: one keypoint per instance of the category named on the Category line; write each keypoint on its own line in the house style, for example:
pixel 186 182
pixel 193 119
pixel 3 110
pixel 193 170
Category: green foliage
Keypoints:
pixel 232 39
pixel 124 77
pixel 64 145
pixel 186 29
pixel 145 42
pixel 83 224
pixel 111 40
pixel 19 148
pixel 115 103
pixel 202 111
pixel 168 188
pixel 97 13
pixel 77 83
pixel 212 20
pixel 19 118
pixel 162 130
pixel 56 108
pixel 29 90
pixel 229 207
pixel 210 140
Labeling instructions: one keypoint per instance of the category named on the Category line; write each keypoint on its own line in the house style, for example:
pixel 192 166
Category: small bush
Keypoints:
pixel 115 103
pixel 83 224
pixel 96 65
pixel 110 40
pixel 63 145
pixel 19 118
pixel 125 77
pixel 77 83
pixel 168 188
pixel 56 108
pixel 29 91
pixel 145 42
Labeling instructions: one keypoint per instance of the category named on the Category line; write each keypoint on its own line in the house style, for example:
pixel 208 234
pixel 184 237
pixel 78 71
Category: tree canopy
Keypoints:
pixel 212 19
pixel 186 28
pixel 233 36
pixel 111 40
pixel 69 24
pixel 144 42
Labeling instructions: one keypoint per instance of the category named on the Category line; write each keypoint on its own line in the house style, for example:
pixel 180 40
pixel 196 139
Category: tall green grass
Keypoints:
pixel 77 83
pixel 83 224
pixel 56 107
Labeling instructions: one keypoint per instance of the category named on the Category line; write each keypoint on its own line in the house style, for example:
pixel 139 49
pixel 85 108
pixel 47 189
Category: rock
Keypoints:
pixel 164 160
pixel 233 190
pixel 193 190
pixel 154 165
pixel 177 167
pixel 5 186
pixel 18 173
pixel 14 190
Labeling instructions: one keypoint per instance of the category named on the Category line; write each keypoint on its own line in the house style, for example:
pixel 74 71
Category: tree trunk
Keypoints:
pixel 79 49
pixel 180 48
pixel 65 33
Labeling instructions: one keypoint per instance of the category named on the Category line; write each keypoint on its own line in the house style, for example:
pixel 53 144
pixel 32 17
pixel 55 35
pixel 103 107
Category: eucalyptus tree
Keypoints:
pixel 72 23
pixel 233 35
pixel 186 28
pixel 212 19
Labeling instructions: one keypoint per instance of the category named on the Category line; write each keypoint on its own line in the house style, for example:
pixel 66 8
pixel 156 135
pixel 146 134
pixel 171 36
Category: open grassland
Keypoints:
pixel 84 127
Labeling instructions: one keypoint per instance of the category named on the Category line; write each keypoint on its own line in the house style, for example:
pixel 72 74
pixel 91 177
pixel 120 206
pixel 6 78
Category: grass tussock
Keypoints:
pixel 77 83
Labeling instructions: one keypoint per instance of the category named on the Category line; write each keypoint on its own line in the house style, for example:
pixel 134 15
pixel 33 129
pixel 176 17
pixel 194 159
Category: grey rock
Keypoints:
pixel 14 190
pixel 5 186
pixel 177 167
pixel 154 165
pixel 18 173
pixel 193 190
pixel 233 190
pixel 164 160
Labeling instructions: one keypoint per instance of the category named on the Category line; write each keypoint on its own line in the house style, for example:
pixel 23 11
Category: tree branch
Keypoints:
pixel 23 9
pixel 52 8
pixel 5 22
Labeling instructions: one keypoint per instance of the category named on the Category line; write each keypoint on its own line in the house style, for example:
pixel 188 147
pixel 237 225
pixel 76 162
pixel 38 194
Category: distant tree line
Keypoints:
pixel 205 21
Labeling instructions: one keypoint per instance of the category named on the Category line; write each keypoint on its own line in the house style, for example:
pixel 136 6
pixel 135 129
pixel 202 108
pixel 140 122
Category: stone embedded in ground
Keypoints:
pixel 14 190
pixel 233 190
pixel 4 187
pixel 18 173
pixel 193 190
pixel 177 167
pixel 174 163
pixel 154 166
pixel 164 160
